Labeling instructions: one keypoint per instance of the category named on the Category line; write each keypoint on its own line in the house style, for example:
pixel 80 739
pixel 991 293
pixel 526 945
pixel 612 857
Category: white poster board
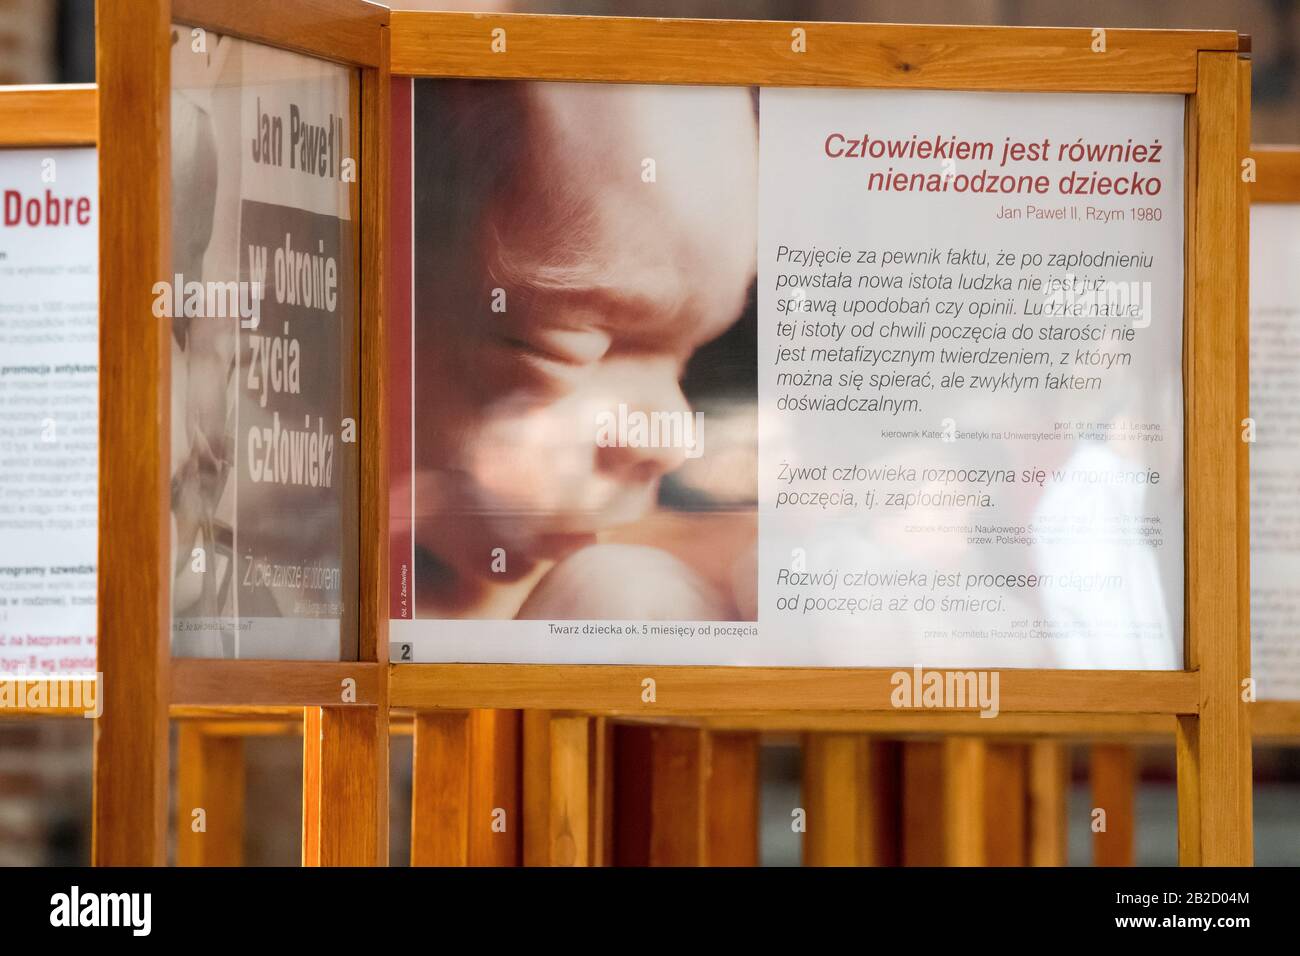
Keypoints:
pixel 1275 454
pixel 49 377
pixel 962 442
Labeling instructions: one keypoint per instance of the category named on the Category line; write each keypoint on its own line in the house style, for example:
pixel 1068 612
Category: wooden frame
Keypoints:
pixel 142 685
pixel 54 117
pixel 48 116
pixel 1203 700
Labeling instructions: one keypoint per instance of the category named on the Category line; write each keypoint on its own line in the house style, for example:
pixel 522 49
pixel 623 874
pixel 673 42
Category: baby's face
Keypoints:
pixel 610 283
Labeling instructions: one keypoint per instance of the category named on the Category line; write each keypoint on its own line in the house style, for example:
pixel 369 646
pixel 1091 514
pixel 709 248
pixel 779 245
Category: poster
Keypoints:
pixel 1275 454
pixel 786 377
pixel 49 411
pixel 263 307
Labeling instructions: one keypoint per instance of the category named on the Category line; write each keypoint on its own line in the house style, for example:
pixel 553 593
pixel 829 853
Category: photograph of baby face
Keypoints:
pixel 583 348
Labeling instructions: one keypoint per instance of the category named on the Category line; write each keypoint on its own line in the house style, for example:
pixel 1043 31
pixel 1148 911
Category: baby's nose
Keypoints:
pixel 639 464
pixel 649 438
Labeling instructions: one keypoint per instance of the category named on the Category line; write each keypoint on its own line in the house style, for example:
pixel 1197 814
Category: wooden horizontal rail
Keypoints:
pixel 1277 174
pixel 757 52
pixel 617 690
pixel 57 696
pixel 248 728
pixel 346 31
pixel 1019 726
pixel 34 116
pixel 214 686
pixel 1272 722
pixel 264 721
pixel 1275 721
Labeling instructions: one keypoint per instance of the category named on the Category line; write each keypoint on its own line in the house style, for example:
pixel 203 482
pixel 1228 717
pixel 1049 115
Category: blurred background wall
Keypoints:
pixel 48 41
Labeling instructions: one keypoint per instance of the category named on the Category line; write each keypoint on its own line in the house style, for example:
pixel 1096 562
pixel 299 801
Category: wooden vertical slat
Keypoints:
pixel 923 804
pixel 686 796
pixel 831 794
pixel 465 808
pixel 536 787
pixel 133 613
pixel 1191 810
pixel 1049 793
pixel 732 790
pixel 679 766
pixel 340 789
pixel 494 758
pixel 633 767
pixel 552 805
pixel 850 793
pixel 568 836
pixel 603 762
pixel 965 761
pixel 1006 805
pixel 440 786
pixel 1213 756
pixel 209 776
pixel 1114 789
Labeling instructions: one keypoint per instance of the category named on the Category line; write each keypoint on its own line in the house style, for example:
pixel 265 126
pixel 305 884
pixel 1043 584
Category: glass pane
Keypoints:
pixel 263 305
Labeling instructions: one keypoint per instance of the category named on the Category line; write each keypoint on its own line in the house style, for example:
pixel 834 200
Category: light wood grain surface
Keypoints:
pixel 756 52
pixel 134 608
pixel 222 685
pixel 617 689
pixel 346 31
pixel 48 115
pixel 1277 174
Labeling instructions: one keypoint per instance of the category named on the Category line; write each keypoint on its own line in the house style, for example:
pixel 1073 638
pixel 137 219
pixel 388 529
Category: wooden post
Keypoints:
pixel 1212 744
pixel 340 787
pixel 133 52
pixel 1245 774
pixel 1114 786
pixel 851 795
pixel 209 777
pixel 372 564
